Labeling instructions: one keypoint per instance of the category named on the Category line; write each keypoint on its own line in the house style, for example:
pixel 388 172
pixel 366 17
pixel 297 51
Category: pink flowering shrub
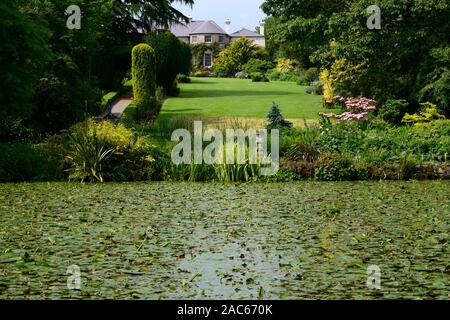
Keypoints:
pixel 358 109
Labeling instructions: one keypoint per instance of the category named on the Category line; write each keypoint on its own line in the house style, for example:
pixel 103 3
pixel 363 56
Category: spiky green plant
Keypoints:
pixel 238 172
pixel 88 152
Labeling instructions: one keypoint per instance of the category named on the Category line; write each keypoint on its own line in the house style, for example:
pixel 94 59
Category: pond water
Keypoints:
pixel 247 241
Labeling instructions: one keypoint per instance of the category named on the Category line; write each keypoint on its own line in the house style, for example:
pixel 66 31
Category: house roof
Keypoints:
pixel 184 30
pixel 208 27
pixel 196 27
pixel 245 33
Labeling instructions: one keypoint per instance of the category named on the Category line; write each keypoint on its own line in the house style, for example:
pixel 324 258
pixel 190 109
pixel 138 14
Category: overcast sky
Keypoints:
pixel 242 13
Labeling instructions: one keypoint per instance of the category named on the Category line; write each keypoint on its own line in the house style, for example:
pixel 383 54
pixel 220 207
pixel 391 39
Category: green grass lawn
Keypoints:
pixel 303 240
pixel 220 97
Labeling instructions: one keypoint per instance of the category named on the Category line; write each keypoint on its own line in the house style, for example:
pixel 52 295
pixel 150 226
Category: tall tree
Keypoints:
pixel 23 54
pixel 144 16
pixel 408 58
pixel 53 76
pixel 297 28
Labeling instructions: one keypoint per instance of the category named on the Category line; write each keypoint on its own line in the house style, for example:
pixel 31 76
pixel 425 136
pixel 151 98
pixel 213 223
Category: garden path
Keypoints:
pixel 119 106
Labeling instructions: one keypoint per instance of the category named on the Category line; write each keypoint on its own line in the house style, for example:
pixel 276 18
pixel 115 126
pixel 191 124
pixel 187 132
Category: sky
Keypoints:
pixel 242 13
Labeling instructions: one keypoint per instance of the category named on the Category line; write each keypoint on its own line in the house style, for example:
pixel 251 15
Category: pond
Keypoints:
pixel 306 240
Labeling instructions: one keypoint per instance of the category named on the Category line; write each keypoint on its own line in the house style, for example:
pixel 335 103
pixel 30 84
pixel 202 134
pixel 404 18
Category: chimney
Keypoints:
pixel 228 26
pixel 262 30
pixel 189 19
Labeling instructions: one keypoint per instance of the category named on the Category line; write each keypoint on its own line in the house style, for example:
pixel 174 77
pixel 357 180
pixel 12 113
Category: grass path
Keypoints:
pixel 219 97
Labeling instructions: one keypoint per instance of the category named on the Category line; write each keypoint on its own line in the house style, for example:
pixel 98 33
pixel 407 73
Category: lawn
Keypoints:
pixel 221 97
pixel 178 240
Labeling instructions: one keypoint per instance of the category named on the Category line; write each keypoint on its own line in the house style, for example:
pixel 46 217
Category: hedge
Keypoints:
pixel 144 72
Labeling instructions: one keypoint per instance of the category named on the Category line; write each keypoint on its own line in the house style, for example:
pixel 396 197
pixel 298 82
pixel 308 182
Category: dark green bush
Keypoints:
pixel 172 58
pixel 309 76
pixel 259 77
pixel 13 129
pixel 303 151
pixel 63 100
pixel 148 109
pixel 274 75
pixel 257 65
pixel 174 90
pixel 289 77
pixel 335 167
pixel 27 162
pixel 185 55
pixel 182 78
pixel 144 73
pixel 393 111
pixel 316 88
pixel 202 73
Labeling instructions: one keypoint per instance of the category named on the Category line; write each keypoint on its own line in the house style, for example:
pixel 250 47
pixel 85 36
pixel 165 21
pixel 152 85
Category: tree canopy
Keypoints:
pixel 233 58
pixel 53 77
pixel 408 58
pixel 149 15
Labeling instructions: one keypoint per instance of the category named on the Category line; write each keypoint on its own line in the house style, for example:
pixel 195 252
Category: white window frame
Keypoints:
pixel 210 59
pixel 194 39
pixel 221 39
pixel 210 37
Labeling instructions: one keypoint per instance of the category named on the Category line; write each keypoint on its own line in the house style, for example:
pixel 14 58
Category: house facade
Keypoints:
pixel 209 32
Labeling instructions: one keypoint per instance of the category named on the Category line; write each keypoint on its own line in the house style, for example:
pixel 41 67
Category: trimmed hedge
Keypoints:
pixel 173 57
pixel 144 73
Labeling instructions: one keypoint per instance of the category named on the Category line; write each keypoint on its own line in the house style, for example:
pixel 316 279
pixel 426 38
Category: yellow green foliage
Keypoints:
pixel 117 137
pixel 233 58
pixel 286 65
pixel 106 152
pixel 327 85
pixel 430 113
pixel 343 73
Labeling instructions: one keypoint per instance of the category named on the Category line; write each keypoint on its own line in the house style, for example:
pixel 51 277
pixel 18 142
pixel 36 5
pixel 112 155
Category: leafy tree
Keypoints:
pixel 257 65
pixel 389 63
pixel 233 58
pixel 148 15
pixel 297 28
pixel 436 77
pixel 58 74
pixel 23 54
pixel 406 59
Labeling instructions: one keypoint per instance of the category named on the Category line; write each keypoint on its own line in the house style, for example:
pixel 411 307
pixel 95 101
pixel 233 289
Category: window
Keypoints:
pixel 207 60
pixel 194 39
pixel 221 39
pixel 208 39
